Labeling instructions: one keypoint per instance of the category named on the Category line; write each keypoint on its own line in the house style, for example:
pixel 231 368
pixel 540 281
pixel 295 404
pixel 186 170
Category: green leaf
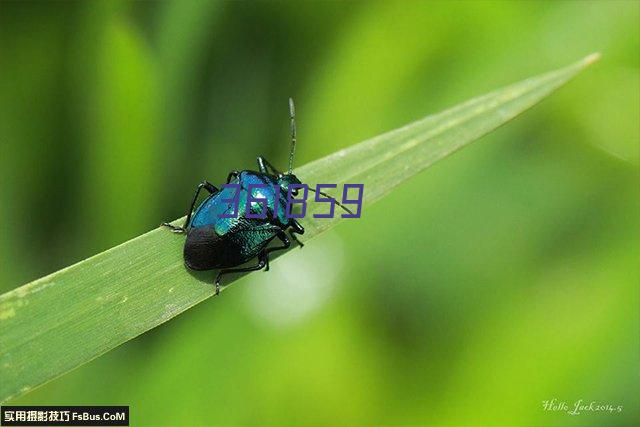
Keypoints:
pixel 59 322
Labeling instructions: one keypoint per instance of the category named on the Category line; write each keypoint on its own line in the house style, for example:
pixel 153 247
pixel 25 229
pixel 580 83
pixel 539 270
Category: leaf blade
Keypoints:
pixel 61 321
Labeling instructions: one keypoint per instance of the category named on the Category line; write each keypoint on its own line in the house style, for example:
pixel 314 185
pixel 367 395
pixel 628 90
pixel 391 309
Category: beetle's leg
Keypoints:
pixel 263 260
pixel 264 166
pixel 207 186
pixel 295 238
pixel 296 228
pixel 232 174
pixel 286 243
pixel 173 228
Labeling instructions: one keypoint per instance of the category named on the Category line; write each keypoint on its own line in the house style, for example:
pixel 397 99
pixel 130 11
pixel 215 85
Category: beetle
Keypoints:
pixel 216 239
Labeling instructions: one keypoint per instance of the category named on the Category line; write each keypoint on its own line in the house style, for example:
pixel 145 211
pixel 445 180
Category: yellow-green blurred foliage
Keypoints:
pixel 502 277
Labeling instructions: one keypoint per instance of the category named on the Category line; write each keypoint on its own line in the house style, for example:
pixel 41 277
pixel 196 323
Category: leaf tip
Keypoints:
pixel 590 59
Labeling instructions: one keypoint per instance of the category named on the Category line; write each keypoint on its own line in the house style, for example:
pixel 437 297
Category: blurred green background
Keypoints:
pixel 504 276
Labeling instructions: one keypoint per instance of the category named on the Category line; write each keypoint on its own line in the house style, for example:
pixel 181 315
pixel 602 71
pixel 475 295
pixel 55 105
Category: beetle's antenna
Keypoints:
pixel 292 115
pixel 337 202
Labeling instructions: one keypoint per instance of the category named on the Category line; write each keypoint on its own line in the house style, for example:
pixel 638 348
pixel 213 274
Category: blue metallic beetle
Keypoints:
pixel 218 240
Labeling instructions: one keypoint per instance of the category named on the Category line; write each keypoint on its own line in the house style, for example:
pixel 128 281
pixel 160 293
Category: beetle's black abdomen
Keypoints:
pixel 204 249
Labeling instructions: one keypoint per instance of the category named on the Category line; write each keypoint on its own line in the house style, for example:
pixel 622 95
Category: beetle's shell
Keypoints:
pixel 214 242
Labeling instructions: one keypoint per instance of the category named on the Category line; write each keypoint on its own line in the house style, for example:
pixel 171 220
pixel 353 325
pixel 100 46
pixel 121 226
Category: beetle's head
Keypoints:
pixel 286 179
